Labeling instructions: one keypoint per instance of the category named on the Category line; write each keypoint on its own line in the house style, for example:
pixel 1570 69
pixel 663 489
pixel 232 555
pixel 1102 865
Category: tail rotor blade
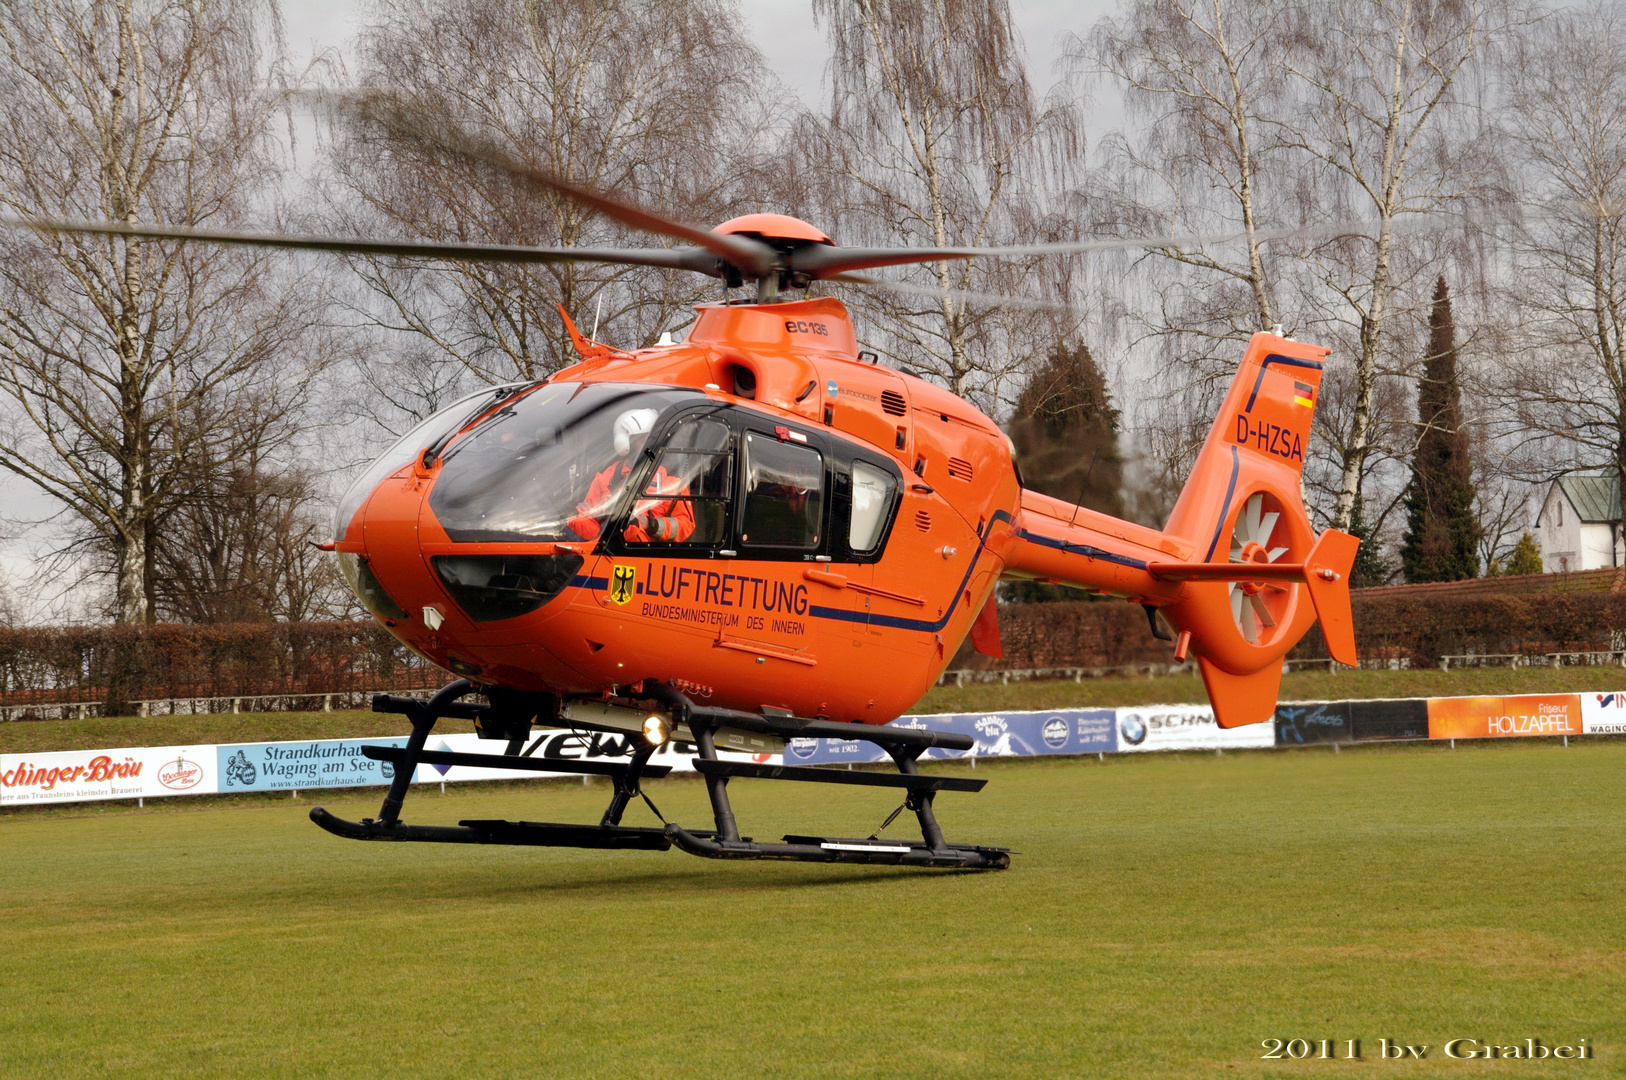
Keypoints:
pixel 1267 526
pixel 1261 610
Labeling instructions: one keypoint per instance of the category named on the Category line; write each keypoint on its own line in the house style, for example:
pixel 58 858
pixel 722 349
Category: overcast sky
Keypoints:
pixel 783 30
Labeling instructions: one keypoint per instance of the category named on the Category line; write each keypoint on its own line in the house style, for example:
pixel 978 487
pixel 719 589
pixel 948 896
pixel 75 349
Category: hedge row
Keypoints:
pixel 122 664
pixel 1070 634
pixel 1424 626
pixel 1395 624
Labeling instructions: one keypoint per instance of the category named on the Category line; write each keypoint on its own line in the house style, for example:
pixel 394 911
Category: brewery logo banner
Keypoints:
pixel 85 775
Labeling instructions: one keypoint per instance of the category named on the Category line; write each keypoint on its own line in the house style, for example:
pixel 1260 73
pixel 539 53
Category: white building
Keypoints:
pixel 1579 525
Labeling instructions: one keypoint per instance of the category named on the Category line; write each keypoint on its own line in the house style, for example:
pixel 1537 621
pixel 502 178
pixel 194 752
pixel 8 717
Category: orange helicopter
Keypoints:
pixel 765 518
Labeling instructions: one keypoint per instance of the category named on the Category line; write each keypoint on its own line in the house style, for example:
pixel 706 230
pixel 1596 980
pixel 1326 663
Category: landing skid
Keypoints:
pixel 904 745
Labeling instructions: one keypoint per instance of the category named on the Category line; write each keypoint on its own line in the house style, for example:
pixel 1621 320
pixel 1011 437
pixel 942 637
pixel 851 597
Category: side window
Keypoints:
pixel 784 494
pixel 685 500
pixel 873 492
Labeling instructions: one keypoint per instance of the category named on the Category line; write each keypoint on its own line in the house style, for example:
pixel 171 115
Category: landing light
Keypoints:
pixel 656 730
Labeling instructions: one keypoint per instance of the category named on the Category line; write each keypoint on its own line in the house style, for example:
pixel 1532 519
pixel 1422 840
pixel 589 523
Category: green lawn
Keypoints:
pixel 1164 914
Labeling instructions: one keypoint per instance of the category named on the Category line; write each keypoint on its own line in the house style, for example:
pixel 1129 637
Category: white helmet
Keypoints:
pixel 632 424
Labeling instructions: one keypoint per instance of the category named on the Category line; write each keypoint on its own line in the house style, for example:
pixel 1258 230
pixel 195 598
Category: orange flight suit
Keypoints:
pixel 670 519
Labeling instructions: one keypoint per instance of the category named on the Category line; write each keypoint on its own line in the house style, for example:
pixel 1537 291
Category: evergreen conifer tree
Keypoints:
pixel 1370 568
pixel 1442 530
pixel 1065 430
pixel 1526 557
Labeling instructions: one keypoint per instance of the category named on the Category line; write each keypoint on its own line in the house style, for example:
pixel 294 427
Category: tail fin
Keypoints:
pixel 1242 509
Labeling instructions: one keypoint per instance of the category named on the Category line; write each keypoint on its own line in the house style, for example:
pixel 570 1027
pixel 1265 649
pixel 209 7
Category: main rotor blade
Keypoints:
pixel 669 258
pixel 756 259
pixel 990 299
pixel 822 261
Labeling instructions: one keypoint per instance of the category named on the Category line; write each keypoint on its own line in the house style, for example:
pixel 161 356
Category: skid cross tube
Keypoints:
pixel 919 800
pixel 423 715
pixel 904 745
pixel 912 781
pixel 627 784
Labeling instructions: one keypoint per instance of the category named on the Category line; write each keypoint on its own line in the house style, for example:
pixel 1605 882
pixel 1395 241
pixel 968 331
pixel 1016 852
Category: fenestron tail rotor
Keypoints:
pixel 1251 540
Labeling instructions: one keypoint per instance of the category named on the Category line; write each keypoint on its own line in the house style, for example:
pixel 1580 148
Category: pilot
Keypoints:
pixel 669 518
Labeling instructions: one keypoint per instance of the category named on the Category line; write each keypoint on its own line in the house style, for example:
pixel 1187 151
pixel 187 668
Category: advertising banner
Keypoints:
pixel 1010 734
pixel 321 763
pixel 1312 722
pixel 1603 714
pixel 85 775
pixel 575 745
pixel 153 772
pixel 1500 717
pixel 1185 727
pixel 1387 719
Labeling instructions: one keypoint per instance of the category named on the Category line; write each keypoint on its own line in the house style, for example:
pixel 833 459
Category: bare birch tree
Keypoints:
pixel 1204 79
pixel 1384 117
pixel 1567 113
pixel 935 138
pixel 152 111
pixel 1203 82
pixel 663 101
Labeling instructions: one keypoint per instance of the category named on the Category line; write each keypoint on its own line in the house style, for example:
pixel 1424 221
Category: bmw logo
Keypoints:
pixel 803 748
pixel 1133 729
pixel 1055 733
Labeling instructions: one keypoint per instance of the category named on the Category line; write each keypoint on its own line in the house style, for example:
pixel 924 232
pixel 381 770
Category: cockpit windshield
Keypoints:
pixel 442 423
pixel 550 464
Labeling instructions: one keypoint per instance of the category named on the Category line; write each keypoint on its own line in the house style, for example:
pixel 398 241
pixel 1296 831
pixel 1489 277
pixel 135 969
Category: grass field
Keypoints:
pixel 1164 914
pixel 41 736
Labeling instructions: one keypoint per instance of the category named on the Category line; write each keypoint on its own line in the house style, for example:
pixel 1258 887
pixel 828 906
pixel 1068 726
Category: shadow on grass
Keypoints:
pixel 672 881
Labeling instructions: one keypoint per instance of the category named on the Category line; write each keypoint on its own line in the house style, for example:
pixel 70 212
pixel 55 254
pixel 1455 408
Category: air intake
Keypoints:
pixel 892 403
pixel 959 468
pixel 923 520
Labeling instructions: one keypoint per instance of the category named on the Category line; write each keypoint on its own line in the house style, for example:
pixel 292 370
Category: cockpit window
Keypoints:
pixel 401 452
pixel 784 493
pixel 552 464
pixel 685 500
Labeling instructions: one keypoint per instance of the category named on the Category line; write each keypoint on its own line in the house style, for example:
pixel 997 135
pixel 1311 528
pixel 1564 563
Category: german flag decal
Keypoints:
pixel 1303 395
